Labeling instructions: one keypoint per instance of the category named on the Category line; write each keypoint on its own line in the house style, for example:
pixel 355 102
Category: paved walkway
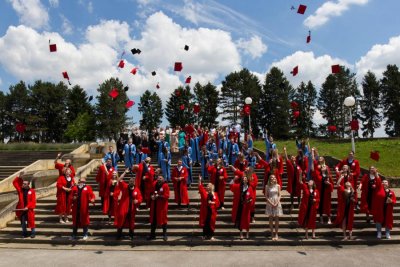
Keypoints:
pixel 289 256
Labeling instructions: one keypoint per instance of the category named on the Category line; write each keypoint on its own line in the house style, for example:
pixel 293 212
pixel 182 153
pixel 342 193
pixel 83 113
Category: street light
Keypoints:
pixel 248 101
pixel 350 102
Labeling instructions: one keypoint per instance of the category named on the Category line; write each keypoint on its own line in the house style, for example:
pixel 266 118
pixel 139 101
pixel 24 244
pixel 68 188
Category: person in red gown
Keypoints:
pixel 241 162
pixel 130 198
pixel 209 204
pixel 243 199
pixel 111 194
pixel 103 177
pixel 354 166
pixel 253 182
pixel 179 180
pixel 345 211
pixel 64 200
pixel 25 209
pixel 294 175
pixel 308 207
pixel 389 201
pixel 323 179
pixel 144 179
pixel 159 207
pixel 61 167
pixel 218 177
pixel 82 195
pixel 371 195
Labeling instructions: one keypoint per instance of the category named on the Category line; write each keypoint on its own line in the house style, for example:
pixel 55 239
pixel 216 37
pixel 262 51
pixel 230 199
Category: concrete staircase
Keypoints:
pixel 183 226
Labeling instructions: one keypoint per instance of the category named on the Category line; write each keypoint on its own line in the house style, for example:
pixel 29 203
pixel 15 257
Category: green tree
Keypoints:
pixel 179 108
pixel 207 97
pixel 370 104
pixel 77 102
pixel 390 89
pixel 305 96
pixel 150 107
pixel 2 116
pixel 274 104
pixel 111 113
pixel 82 128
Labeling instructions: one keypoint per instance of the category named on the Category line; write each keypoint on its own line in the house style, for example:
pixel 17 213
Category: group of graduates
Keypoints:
pixel 309 180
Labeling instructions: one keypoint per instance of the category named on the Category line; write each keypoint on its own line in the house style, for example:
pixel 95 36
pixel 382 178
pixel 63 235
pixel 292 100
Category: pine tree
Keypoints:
pixel 390 89
pixel 370 115
pixel 274 104
pixel 77 102
pixel 305 96
pixel 179 109
pixel 3 124
pixel 83 128
pixel 207 96
pixel 111 113
pixel 150 107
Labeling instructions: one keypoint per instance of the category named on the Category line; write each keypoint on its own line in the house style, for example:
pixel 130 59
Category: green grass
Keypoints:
pixel 389 150
pixel 38 147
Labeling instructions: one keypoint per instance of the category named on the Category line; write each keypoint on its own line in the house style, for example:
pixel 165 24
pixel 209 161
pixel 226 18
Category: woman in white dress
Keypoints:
pixel 273 208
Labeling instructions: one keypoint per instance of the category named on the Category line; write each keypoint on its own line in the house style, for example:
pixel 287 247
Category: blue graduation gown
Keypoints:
pixel 129 156
pixel 139 157
pixel 187 163
pixel 233 151
pixel 203 160
pixel 114 159
pixel 194 144
pixel 166 166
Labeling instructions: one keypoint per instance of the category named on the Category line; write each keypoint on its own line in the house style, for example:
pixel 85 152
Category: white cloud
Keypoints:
pixel 311 67
pixel 66 26
pixel 329 10
pixel 378 57
pixel 54 3
pixel 254 46
pixel 90 7
pixel 143 2
pixel 109 32
pixel 31 12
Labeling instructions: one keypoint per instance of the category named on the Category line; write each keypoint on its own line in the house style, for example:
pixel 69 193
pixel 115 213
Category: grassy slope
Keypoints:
pixel 38 147
pixel 389 150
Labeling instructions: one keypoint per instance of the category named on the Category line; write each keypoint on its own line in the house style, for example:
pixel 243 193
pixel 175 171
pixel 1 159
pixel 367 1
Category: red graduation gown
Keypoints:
pixel 60 167
pixel 110 203
pixel 377 198
pixel 325 191
pixel 205 207
pixel 159 206
pixel 147 180
pixel 180 187
pixel 123 209
pixel 388 210
pixel 215 179
pixel 293 184
pixel 241 165
pixel 354 168
pixel 63 202
pixel 308 212
pixel 246 206
pixel 86 197
pixel 31 202
pixel 343 213
pixel 103 179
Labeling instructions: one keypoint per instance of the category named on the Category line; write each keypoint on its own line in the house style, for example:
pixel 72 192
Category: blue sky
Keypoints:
pixel 224 36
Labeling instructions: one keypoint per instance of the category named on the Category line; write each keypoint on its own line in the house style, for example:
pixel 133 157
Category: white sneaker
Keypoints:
pixel 66 220
pixel 388 236
pixel 85 237
pixel 62 221
pixel 379 235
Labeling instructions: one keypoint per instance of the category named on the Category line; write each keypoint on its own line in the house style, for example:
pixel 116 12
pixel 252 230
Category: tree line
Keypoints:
pixel 56 113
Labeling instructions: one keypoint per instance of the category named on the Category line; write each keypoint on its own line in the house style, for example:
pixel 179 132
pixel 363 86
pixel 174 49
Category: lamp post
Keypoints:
pixel 248 101
pixel 350 102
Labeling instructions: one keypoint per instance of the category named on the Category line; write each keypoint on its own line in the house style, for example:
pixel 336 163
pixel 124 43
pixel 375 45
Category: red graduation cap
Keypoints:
pixel 129 104
pixel 134 70
pixel 309 37
pixel 335 68
pixel 301 9
pixel 296 114
pixel 294 105
pixel 65 75
pixel 188 79
pixel 177 92
pixel 20 127
pixel 53 47
pixel 196 108
pixel 354 125
pixel 121 64
pixel 158 86
pixel 182 107
pixel 178 66
pixel 374 155
pixel 332 128
pixel 295 71
pixel 114 93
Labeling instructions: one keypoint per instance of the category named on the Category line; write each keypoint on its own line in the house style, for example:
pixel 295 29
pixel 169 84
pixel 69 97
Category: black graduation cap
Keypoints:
pixel 126 88
pixel 186 48
pixel 90 98
pixel 136 51
pixel 153 73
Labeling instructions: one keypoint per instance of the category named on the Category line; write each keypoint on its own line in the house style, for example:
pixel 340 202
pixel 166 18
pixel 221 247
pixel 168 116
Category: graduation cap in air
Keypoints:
pixel 126 88
pixel 129 104
pixel 158 86
pixel 134 70
pixel 153 73
pixel 301 9
pixel 178 66
pixel 65 75
pixel 182 107
pixel 332 128
pixel 335 68
pixel 113 93
pixel 136 51
pixel 309 37
pixel 196 108
pixel 188 79
pixel 186 48
pixel 294 104
pixel 90 98
pixel 20 127
pixel 374 155
pixel 296 114
pixel 121 64
pixel 354 126
pixel 52 47
pixel 177 92
pixel 295 71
